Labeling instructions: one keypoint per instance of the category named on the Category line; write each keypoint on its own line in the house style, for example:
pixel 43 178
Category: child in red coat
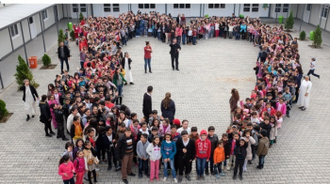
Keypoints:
pixel 79 164
pixel 66 169
pixel 203 152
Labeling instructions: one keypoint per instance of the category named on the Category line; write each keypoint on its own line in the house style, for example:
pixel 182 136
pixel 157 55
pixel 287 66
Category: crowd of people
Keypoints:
pixel 88 107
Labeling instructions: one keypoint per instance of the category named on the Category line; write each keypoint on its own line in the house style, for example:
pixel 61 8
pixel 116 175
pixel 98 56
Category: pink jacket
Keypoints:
pixel 79 164
pixel 67 168
pixel 283 108
pixel 161 130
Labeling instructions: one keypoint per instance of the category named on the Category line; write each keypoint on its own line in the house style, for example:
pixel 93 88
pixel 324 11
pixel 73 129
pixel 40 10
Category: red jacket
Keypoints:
pixel 272 111
pixel 203 148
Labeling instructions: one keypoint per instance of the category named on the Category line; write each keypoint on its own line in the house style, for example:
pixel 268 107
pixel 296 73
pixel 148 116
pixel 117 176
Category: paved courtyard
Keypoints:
pixel 201 91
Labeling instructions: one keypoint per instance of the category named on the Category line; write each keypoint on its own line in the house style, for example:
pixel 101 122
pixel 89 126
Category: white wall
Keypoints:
pixel 51 19
pixel 17 40
pixel 26 30
pixel 5 43
pixel 99 10
pixel 158 8
pixel 225 12
pixel 261 11
pixel 315 14
pixel 37 22
pixel 59 12
pixel 193 11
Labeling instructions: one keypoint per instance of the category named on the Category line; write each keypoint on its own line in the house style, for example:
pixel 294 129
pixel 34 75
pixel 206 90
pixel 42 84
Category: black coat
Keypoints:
pixel 174 49
pixel 106 141
pixel 169 112
pixel 33 92
pixel 45 115
pixel 59 116
pixel 121 146
pixel 147 105
pixel 66 52
pixel 240 151
pixel 191 151
pixel 129 62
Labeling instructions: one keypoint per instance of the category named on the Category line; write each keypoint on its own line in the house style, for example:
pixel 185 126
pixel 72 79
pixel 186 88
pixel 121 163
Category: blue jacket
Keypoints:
pixel 243 28
pixel 168 150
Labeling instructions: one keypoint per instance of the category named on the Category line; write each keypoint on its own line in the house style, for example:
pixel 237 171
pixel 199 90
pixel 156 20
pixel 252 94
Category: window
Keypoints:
pixel 217 6
pixel 308 8
pixel 75 7
pixel 13 30
pixel 140 6
pixel 278 8
pixel 107 7
pixel 255 7
pixel 146 6
pixel 31 20
pixel 115 7
pixel 152 6
pixel 83 7
pixel 44 14
pixel 246 8
pixel 325 10
pixel 181 6
pixel 285 7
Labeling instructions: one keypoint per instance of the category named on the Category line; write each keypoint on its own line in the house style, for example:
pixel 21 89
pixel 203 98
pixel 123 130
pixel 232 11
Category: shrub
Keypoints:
pixel 46 60
pixel 61 37
pixel 23 72
pixel 3 110
pixel 72 35
pixel 317 37
pixel 302 35
pixel 289 22
pixel 81 17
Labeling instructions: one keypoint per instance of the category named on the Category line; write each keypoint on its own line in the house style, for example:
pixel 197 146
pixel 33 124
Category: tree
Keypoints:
pixel 72 35
pixel 61 37
pixel 81 17
pixel 3 110
pixel 46 60
pixel 289 22
pixel 317 37
pixel 23 72
pixel 302 35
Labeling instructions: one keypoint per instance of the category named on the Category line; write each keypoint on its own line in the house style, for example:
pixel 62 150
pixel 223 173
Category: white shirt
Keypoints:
pixel 185 143
pixel 181 129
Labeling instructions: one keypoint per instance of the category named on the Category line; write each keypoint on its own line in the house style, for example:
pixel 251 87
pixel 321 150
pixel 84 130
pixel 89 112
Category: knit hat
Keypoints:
pixel 177 122
pixel 203 132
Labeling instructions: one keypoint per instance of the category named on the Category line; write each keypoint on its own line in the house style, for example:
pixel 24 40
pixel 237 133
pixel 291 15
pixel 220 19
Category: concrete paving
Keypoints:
pixel 201 91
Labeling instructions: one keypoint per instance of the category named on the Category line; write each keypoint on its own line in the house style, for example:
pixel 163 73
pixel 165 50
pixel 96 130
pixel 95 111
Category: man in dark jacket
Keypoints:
pixel 262 148
pixel 147 103
pixel 124 152
pixel 63 55
pixel 175 49
pixel 60 121
pixel 108 141
pixel 240 153
pixel 186 153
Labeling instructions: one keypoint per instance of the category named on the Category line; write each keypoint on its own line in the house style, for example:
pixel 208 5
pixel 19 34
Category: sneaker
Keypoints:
pixel 241 177
pixel 180 179
pixel 53 133
pixel 109 168
pixel 250 162
pixel 245 170
pixel 132 174
pixel 222 174
pixel 228 168
pixel 165 178
pixel 258 167
pixel 202 177
pixel 188 177
pixel 48 135
pixel 217 176
pixel 207 172
pixel 234 177
pixel 198 177
pixel 175 180
pixel 118 169
pixel 97 169
pixel 125 181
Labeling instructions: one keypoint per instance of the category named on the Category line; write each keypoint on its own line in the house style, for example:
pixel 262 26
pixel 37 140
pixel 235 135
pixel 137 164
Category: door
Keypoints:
pixel 33 29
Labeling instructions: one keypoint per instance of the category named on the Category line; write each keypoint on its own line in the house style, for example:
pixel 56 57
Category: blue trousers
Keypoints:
pixel 172 169
pixel 147 62
pixel 200 165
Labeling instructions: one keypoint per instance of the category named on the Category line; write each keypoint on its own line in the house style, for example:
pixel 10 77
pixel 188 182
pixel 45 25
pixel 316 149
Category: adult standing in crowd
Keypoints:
pixel 126 63
pixel 45 116
pixel 263 146
pixel 168 107
pixel 63 55
pixel 175 49
pixel 233 102
pixel 147 103
pixel 147 57
pixel 30 95
pixel 304 91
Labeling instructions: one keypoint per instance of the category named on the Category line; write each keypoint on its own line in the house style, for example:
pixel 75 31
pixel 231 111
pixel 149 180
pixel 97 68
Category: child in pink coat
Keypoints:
pixel 79 164
pixel 66 169
pixel 281 106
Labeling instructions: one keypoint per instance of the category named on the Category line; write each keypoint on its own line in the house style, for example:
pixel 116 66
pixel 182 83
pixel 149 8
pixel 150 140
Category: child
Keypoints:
pixel 68 150
pixel 281 106
pixel 185 155
pixel 79 164
pixel 250 141
pixel 168 150
pixel 226 146
pixel 266 126
pixel 143 157
pixel 154 132
pixel 79 147
pixel 312 68
pixel 213 138
pixel 175 135
pixel 154 153
pixel 66 169
pixel 240 153
pixel 90 161
pixel 273 131
pixel 203 152
pixel 109 141
pixel 218 158
pixel 164 127
pixel 194 134
pixel 233 143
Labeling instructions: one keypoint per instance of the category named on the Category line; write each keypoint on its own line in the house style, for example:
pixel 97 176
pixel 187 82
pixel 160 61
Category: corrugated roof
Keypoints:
pixel 15 12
